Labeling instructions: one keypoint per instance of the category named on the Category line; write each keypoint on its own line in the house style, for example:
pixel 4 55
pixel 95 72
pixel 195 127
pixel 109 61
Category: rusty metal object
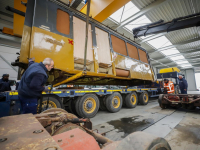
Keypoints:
pixel 76 139
pixel 54 110
pixel 24 132
pixel 99 138
pixel 188 101
pixel 56 119
pixel 67 127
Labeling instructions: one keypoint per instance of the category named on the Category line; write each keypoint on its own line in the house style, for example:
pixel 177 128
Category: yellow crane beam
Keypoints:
pixel 102 9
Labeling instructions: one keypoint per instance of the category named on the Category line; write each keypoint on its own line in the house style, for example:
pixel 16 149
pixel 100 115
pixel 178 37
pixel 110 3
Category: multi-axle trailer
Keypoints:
pixel 82 102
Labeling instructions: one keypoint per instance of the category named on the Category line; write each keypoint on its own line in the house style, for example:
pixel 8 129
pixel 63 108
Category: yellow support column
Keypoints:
pixel 102 9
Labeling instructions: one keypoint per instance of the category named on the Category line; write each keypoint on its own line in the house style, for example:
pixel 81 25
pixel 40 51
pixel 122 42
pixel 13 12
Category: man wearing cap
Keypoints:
pixel 4 83
pixel 32 84
pixel 183 85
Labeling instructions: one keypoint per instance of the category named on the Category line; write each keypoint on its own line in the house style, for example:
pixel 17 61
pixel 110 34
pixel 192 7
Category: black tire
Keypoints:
pixel 112 102
pixel 84 100
pixel 72 106
pixel 102 101
pixel 131 100
pixel 53 103
pixel 123 99
pixel 160 98
pixel 141 141
pixel 143 98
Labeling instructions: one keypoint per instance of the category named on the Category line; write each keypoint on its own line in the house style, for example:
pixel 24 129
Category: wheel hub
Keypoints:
pixel 145 97
pixel 133 99
pixel 89 105
pixel 115 101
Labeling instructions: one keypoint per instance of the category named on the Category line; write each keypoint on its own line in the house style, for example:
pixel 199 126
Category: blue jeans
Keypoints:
pixel 29 105
pixel 183 91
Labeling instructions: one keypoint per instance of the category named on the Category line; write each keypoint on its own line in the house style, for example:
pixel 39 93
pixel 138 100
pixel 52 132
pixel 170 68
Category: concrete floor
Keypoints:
pixel 180 128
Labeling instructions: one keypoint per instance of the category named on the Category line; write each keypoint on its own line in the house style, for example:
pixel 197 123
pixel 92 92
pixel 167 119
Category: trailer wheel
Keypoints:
pixel 163 106
pixel 53 103
pixel 114 102
pixel 140 141
pixel 102 101
pixel 131 100
pixel 72 108
pixel 87 106
pixel 144 98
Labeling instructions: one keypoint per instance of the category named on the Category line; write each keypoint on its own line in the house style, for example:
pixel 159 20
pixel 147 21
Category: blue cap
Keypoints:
pixel 5 75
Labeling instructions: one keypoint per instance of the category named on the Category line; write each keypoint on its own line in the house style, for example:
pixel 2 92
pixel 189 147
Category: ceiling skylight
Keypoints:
pixel 177 58
pixel 182 62
pixel 160 42
pixel 138 22
pixel 187 65
pixel 170 51
pixel 129 10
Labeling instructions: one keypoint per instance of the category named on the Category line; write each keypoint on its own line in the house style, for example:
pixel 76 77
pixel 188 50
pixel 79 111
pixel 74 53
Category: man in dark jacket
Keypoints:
pixel 4 83
pixel 32 84
pixel 182 84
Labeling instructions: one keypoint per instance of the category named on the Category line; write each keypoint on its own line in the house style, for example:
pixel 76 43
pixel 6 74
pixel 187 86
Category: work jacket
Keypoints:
pixel 183 84
pixel 24 88
pixel 170 87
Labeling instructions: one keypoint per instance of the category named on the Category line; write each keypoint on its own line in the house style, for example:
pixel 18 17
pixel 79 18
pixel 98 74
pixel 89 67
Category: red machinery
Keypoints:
pixel 56 129
pixel 187 101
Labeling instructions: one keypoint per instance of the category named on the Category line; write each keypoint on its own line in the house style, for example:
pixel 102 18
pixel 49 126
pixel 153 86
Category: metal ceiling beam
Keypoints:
pixel 184 60
pixel 152 6
pixel 8 63
pixel 152 37
pixel 171 63
pixel 10 38
pixel 151 59
pixel 6 14
pixel 182 53
pixel 175 45
pixel 175 24
pixel 188 51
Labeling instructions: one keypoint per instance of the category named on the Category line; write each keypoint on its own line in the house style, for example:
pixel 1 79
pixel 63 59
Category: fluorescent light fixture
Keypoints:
pixel 170 51
pixel 129 10
pixel 186 65
pixel 160 42
pixel 182 62
pixel 177 57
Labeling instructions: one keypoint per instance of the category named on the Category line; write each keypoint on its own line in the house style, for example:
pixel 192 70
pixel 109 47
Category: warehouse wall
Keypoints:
pixel 190 77
pixel 8 55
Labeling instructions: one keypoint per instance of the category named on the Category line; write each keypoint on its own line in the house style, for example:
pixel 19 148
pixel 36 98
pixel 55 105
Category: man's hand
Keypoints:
pixel 185 89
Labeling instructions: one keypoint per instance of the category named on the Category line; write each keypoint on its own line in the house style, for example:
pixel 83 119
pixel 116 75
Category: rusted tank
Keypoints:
pixel 54 30
pixel 56 129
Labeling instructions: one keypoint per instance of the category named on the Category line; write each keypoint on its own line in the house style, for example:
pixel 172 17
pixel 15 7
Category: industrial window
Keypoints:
pixel 62 22
pixel 118 45
pixel 132 51
pixel 143 56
